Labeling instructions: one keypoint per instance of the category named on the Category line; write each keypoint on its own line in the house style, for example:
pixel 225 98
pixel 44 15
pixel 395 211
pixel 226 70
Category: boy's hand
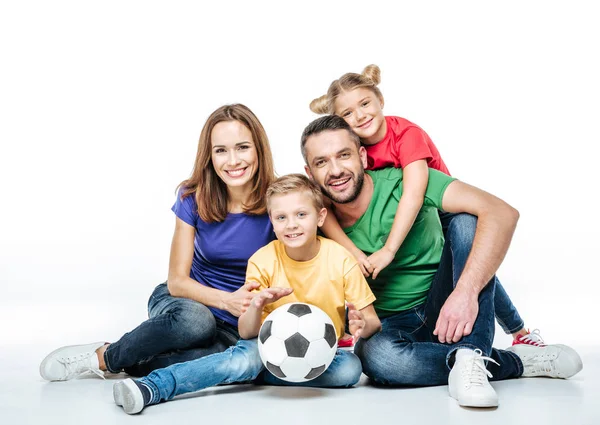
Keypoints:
pixel 269 295
pixel 356 321
pixel 237 302
pixel 380 260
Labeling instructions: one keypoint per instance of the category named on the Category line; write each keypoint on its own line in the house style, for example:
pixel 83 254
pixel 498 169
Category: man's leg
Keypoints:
pixel 239 363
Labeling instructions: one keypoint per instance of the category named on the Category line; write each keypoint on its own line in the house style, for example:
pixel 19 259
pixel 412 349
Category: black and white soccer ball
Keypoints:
pixel 297 342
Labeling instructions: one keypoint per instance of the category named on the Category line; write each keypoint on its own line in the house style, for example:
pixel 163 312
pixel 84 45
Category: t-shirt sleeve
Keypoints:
pixel 412 146
pixel 436 187
pixel 186 209
pixel 356 288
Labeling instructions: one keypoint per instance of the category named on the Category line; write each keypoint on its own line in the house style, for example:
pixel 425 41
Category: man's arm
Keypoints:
pixel 496 224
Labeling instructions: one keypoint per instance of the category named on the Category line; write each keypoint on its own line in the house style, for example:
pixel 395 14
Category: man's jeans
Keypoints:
pixel 241 363
pixel 405 351
pixel 178 330
pixel 461 228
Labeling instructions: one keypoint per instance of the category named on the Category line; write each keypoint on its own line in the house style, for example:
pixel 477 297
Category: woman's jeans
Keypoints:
pixel 460 229
pixel 405 352
pixel 237 364
pixel 178 330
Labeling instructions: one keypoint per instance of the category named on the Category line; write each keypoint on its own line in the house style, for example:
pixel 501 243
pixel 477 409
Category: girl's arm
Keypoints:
pixel 332 229
pixel 181 285
pixel 249 322
pixel 416 175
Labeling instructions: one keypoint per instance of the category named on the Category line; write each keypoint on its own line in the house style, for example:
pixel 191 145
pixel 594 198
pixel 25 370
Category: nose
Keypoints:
pixel 334 168
pixel 291 224
pixel 359 114
pixel 233 158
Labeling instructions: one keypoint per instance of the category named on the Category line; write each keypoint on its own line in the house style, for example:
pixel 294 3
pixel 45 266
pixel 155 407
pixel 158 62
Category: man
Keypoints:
pixel 432 289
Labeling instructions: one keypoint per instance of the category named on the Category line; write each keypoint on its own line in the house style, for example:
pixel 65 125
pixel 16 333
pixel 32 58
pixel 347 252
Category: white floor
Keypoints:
pixel 26 399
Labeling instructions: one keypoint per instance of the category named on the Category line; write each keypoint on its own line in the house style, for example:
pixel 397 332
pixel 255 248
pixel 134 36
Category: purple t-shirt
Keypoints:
pixel 222 250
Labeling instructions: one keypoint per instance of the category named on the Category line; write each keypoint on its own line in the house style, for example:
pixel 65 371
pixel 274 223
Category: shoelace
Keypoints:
pixel 475 372
pixel 542 362
pixel 78 365
pixel 533 338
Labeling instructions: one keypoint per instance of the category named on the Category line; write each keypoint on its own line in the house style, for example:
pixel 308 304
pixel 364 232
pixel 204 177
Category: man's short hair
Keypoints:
pixel 326 123
pixel 295 183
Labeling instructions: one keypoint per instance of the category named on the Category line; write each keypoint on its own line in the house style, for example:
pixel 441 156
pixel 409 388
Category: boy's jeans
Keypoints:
pixel 241 363
pixel 405 352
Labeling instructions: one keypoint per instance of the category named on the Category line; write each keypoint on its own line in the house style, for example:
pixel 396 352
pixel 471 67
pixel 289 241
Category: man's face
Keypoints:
pixel 336 164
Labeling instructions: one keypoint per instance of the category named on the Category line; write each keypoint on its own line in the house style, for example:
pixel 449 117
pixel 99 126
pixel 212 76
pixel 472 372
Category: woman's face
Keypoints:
pixel 234 153
pixel 362 110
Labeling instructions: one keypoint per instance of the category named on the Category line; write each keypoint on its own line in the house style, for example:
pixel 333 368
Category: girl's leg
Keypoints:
pixel 460 229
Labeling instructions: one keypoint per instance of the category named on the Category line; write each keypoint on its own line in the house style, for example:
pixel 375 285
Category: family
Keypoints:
pixel 406 265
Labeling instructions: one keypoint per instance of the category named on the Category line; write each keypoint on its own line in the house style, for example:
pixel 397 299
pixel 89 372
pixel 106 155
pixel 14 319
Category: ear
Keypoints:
pixel 308 173
pixel 362 153
pixel 322 215
pixel 381 102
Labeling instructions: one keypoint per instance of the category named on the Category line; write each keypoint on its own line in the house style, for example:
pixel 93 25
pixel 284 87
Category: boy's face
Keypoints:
pixel 296 219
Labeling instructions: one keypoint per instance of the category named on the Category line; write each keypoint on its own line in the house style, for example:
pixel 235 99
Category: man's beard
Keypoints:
pixel 350 197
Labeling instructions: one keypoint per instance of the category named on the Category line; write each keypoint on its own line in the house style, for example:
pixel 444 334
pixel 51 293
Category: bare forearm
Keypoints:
pixel 494 233
pixel 408 209
pixel 249 322
pixel 186 287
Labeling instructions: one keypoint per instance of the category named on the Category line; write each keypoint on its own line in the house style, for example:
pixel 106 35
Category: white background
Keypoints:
pixel 101 106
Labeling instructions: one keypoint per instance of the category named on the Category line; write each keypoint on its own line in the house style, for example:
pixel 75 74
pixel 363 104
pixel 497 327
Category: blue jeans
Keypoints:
pixel 405 351
pixel 178 330
pixel 241 363
pixel 460 229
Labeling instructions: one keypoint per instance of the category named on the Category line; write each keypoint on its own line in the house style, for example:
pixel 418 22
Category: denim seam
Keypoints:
pixel 154 392
pixel 107 363
pixel 510 331
pixel 518 362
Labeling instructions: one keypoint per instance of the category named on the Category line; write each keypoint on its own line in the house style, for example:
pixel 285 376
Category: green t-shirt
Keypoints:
pixel 405 282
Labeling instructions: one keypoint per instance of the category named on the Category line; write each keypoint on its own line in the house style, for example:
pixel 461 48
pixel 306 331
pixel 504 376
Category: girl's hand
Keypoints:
pixel 363 262
pixel 356 321
pixel 380 260
pixel 269 295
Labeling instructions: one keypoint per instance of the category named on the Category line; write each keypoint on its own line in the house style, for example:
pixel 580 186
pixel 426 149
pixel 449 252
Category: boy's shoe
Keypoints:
pixel 468 381
pixel 554 361
pixel 532 338
pixel 346 341
pixel 71 361
pixel 131 395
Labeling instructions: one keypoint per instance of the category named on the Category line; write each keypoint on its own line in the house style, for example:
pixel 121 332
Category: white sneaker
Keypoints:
pixel 468 380
pixel 554 361
pixel 71 361
pixel 129 395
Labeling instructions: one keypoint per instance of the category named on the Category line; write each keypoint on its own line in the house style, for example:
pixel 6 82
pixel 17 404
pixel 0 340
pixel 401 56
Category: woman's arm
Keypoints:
pixel 181 285
pixel 249 322
pixel 415 177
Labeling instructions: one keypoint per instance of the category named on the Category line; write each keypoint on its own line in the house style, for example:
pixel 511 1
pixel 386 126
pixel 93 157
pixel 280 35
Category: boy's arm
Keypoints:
pixel 332 229
pixel 249 322
pixel 416 176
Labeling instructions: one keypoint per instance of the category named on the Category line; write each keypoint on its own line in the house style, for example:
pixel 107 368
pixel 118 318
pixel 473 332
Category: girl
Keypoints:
pixel 221 220
pixel 396 142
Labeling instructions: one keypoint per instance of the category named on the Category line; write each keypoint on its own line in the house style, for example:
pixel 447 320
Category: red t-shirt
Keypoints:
pixel 404 142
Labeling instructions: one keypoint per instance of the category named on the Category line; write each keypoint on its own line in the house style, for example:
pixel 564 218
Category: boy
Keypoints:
pixel 299 266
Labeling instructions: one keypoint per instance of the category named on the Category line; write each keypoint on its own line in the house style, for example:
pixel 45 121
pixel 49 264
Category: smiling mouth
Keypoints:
pixel 293 235
pixel 339 182
pixel 236 173
pixel 366 124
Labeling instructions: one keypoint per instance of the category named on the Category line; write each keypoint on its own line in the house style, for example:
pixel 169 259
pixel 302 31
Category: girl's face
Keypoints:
pixel 234 154
pixel 362 110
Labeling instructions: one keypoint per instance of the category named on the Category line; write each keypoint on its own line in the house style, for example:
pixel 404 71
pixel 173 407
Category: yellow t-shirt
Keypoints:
pixel 326 281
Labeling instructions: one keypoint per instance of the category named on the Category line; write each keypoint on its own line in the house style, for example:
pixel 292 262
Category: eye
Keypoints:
pixel 345 155
pixel 365 103
pixel 243 147
pixel 219 150
pixel 346 114
pixel 301 214
pixel 279 217
pixel 320 163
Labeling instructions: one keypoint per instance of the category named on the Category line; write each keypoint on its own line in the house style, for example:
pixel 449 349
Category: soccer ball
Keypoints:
pixel 297 342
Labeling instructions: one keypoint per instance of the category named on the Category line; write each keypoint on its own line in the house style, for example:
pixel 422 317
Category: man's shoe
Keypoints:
pixel 70 362
pixel 554 361
pixel 468 380
pixel 532 338
pixel 131 395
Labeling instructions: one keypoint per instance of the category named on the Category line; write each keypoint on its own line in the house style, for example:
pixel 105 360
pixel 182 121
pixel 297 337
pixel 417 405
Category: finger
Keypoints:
pixel 459 332
pixel 249 286
pixel 376 272
pixel 440 329
pixel 350 306
pixel 357 333
pixel 363 270
pixel 468 329
pixel 368 266
pixel 450 331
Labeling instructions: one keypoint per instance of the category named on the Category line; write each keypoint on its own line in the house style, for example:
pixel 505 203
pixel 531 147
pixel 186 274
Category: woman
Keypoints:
pixel 221 221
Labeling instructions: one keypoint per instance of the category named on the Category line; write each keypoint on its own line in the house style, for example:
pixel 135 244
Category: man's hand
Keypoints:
pixel 380 260
pixel 237 302
pixel 269 295
pixel 457 316
pixel 356 321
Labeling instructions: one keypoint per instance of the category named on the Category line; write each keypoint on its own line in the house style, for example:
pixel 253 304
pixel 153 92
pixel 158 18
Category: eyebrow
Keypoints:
pixel 237 144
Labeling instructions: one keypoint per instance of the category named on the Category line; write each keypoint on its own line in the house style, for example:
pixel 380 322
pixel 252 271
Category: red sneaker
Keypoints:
pixel 346 341
pixel 532 338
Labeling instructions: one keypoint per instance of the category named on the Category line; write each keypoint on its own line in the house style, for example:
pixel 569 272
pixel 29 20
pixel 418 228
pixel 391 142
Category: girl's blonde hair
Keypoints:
pixel 207 187
pixel 369 79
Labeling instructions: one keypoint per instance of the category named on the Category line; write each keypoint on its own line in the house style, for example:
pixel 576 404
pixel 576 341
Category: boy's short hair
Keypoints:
pixel 295 183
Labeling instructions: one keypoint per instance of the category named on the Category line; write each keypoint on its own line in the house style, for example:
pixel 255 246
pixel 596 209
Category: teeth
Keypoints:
pixel 236 173
pixel 339 183
pixel 294 235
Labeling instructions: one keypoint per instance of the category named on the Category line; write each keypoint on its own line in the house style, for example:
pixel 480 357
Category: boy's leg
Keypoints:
pixel 459 229
pixel 343 372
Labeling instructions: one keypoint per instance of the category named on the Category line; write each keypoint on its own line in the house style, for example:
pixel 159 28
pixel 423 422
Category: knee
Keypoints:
pixel 193 322
pixel 350 373
pixel 245 360
pixel 462 229
pixel 387 362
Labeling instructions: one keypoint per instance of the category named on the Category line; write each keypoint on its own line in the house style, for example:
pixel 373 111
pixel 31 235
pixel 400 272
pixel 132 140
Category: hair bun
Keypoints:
pixel 373 73
pixel 320 105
